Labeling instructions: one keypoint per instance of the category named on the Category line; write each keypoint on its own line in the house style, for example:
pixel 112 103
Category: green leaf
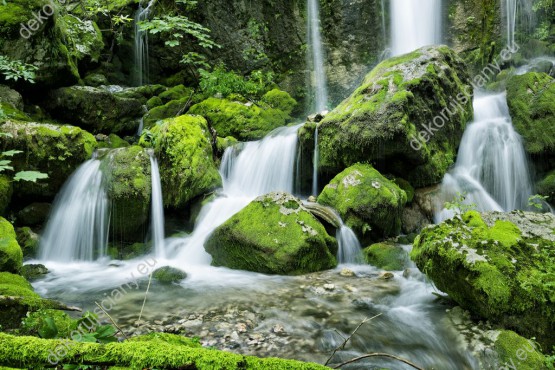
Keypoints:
pixel 5 134
pixel 32 176
pixel 11 153
pixel 48 329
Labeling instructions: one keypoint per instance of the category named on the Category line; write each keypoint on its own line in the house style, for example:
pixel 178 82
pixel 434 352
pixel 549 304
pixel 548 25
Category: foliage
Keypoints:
pixel 537 201
pixel 16 70
pixel 5 165
pixel 222 82
pixel 550 361
pixel 458 204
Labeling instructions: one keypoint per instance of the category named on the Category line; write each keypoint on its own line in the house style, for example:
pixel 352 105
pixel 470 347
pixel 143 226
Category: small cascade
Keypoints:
pixel 414 23
pixel 349 250
pixel 157 209
pixel 510 22
pixel 315 46
pixel 79 223
pixel 140 74
pixel 315 164
pixel 491 169
pixel 248 171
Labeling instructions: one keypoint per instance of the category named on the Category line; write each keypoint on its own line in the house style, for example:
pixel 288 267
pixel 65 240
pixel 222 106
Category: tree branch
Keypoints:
pixel 379 355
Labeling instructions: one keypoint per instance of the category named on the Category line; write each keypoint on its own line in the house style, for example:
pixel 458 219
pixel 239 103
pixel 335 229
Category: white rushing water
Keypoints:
pixel 317 53
pixel 140 74
pixel 492 168
pixel 78 225
pixel 510 21
pixel 414 23
pixel 157 209
pixel 315 160
pixel 350 250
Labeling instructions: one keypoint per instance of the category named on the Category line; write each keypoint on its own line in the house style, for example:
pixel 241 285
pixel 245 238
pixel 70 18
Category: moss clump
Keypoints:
pixel 32 272
pixel 386 256
pixel 14 13
pixel 500 266
pixel 6 191
pixel 546 187
pixel 53 149
pixel 129 190
pixel 406 187
pixel 11 256
pixel 183 148
pixel 369 203
pixel 274 234
pixel 517 352
pixel 28 240
pixel 385 120
pixel 531 100
pixel 12 285
pixel 244 121
pixel 36 322
pixel 169 275
pixel 279 99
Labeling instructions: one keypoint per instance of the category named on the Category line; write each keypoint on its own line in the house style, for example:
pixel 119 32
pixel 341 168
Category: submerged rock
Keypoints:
pixel 11 256
pixel 31 272
pixel 169 274
pixel 499 266
pixel 369 203
pixel 407 117
pixel 274 234
pixel 183 148
pixel 386 256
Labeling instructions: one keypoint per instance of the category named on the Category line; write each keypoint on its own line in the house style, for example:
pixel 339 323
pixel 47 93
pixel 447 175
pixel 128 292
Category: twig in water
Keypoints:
pixel 146 293
pixel 112 320
pixel 379 355
pixel 342 345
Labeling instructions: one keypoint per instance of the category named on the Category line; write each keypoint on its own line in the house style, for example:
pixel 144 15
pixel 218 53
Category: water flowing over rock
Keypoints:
pixel 274 234
pixel 407 117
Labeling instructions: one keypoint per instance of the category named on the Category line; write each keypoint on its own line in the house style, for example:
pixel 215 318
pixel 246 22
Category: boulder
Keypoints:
pixel 11 257
pixel 407 118
pixel 243 120
pixel 168 275
pixel 11 97
pixel 32 272
pixel 369 203
pixel 56 150
pixel 28 241
pixel 497 265
pixel 129 190
pixel 387 256
pixel 6 191
pixel 274 234
pixel 95 109
pixel 34 214
pixel 184 151
pixel 546 187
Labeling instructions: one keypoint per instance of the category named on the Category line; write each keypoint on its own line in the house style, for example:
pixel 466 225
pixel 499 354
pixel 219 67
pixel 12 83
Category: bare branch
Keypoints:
pixel 379 355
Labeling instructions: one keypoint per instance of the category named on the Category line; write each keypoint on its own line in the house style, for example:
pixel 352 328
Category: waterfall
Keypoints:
pixel 491 168
pixel 349 250
pixel 510 13
pixel 315 163
pixel 315 46
pixel 414 23
pixel 248 171
pixel 157 209
pixel 78 227
pixel 141 46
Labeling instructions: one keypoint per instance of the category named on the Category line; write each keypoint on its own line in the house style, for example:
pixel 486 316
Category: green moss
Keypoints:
pixel 368 202
pixel 281 100
pixel 11 256
pixel 154 102
pixel 183 148
pixel 14 13
pixel 406 187
pixel 514 350
pixel 274 234
pixel 6 191
pixel 169 274
pixel 386 256
pixel 28 240
pixel 546 187
pixel 34 321
pixel 242 121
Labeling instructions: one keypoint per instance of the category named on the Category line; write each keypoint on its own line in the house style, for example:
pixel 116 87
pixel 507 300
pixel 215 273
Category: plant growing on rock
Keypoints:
pixel 458 204
pixel 16 70
pixel 5 165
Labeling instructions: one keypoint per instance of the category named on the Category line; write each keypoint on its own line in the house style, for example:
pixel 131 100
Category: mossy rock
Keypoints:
pixel 94 109
pixel 406 187
pixel 369 203
pixel 6 191
pixel 34 271
pixel 11 256
pixel 11 313
pixel 516 352
pixel 386 256
pixel 531 100
pixel 37 324
pixel 244 121
pixel 52 149
pixel 499 266
pixel 222 143
pixel 281 100
pixel 274 234
pixel 546 187
pixel 129 190
pixel 170 109
pixel 168 275
pixel 28 241
pixel 34 214
pixel 389 119
pixel 184 151
pixel 11 97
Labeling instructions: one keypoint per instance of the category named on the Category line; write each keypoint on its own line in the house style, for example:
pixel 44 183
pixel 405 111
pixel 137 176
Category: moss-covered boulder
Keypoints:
pixel 244 121
pixel 546 187
pixel 6 191
pixel 11 256
pixel 274 234
pixel 28 241
pixel 33 271
pixel 56 150
pixel 184 151
pixel 387 256
pixel 369 203
pixel 407 118
pixel 499 266
pixel 279 99
pixel 34 214
pixel 516 352
pixel 95 109
pixel 129 190
pixel 531 100
pixel 168 275
pixel 24 299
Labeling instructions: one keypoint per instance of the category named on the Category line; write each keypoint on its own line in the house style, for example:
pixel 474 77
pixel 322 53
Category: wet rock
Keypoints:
pixel 345 272
pixel 34 214
pixel 169 275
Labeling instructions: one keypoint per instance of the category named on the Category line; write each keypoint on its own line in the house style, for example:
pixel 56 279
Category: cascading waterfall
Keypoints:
pixel 510 14
pixel 414 23
pixel 141 46
pixel 315 164
pixel 350 250
pixel 491 169
pixel 79 223
pixel 315 46
pixel 253 169
pixel 157 209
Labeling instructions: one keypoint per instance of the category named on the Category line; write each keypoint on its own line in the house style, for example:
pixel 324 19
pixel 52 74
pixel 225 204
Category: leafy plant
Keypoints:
pixel 459 204
pixel 5 165
pixel 219 81
pixel 16 70
pixel 537 201
pixel 101 333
